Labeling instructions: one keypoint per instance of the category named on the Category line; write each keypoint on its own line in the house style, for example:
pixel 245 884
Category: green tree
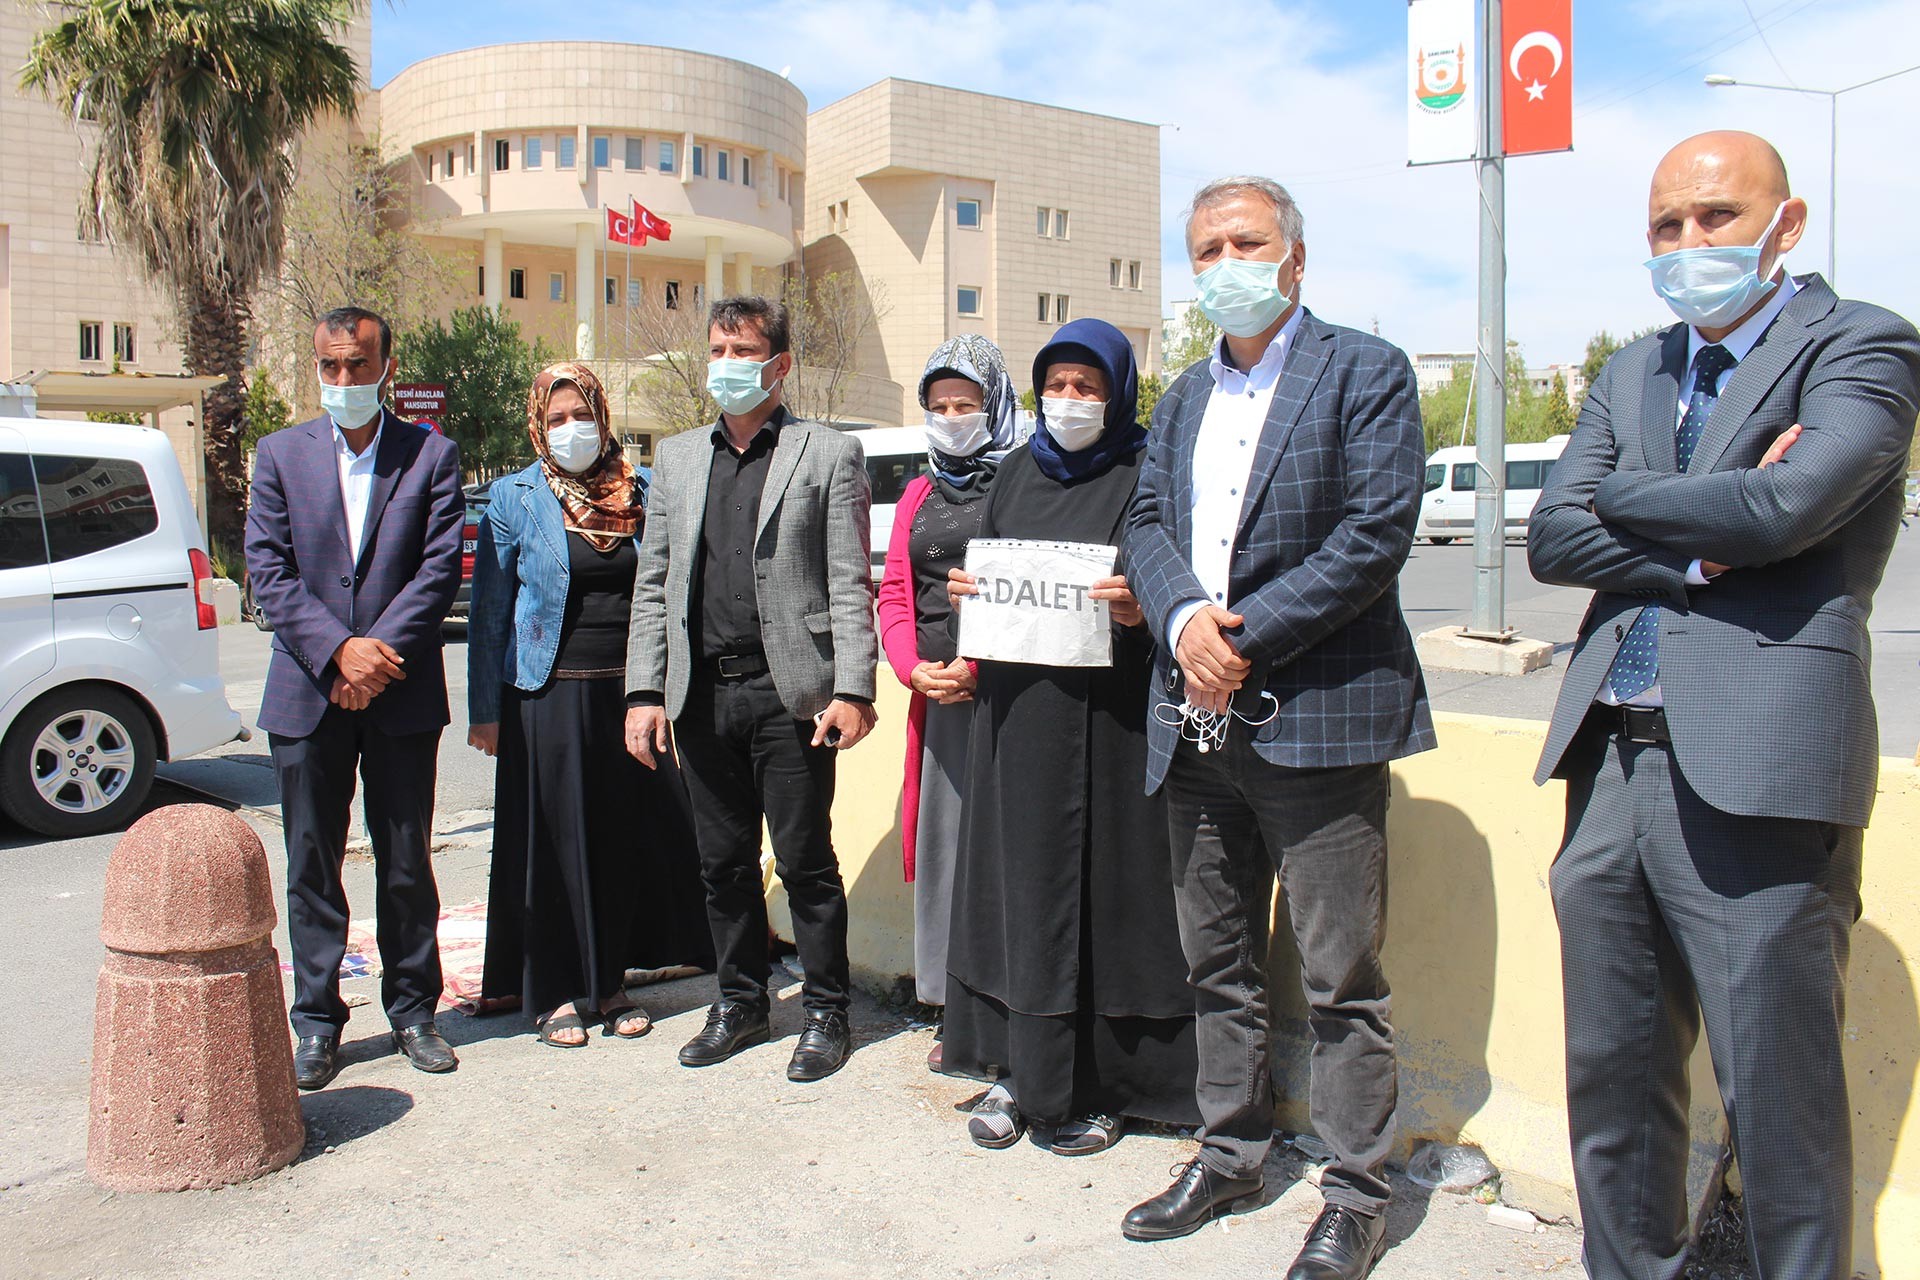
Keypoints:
pixel 1029 402
pixel 1152 387
pixel 1558 409
pixel 198 104
pixel 1187 341
pixel 487 368
pixel 1531 416
pixel 267 411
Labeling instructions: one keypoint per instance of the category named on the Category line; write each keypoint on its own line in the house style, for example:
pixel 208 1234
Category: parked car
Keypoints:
pixel 1446 508
pixel 896 456
pixel 109 653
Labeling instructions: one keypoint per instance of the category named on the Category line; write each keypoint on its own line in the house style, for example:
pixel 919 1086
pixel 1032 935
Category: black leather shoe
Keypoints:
pixel 1342 1244
pixel 825 1042
pixel 425 1048
pixel 1199 1194
pixel 731 1027
pixel 316 1061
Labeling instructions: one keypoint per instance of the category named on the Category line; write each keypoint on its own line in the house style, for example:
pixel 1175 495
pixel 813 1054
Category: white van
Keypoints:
pixel 896 456
pixel 1446 508
pixel 109 657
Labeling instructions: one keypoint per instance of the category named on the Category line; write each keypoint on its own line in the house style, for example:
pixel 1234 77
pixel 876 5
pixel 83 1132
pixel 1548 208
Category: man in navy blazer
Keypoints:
pixel 1273 515
pixel 353 552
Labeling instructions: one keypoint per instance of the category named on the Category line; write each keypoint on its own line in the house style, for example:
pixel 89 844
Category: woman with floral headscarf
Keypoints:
pixel 973 422
pixel 593 859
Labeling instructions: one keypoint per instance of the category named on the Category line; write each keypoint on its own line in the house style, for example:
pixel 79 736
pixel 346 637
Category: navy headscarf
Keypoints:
pixel 1099 344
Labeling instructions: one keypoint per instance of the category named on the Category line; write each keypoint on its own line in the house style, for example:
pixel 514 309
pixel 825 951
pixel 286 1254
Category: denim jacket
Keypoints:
pixel 520 580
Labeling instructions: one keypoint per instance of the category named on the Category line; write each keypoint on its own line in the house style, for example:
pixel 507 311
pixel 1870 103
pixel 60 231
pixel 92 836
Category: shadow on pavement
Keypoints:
pixel 336 1117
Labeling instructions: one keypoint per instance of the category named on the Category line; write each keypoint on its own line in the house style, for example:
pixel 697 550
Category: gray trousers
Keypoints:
pixel 1671 910
pixel 1235 820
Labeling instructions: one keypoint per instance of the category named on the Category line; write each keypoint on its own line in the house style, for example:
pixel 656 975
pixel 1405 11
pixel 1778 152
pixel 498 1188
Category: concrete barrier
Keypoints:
pixel 1473 953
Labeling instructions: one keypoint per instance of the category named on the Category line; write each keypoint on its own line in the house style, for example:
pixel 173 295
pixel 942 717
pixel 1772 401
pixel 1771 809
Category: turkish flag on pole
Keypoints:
pixel 622 229
pixel 651 223
pixel 1536 76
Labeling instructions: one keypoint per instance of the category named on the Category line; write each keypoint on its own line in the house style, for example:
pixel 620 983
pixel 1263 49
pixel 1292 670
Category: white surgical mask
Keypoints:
pixel 352 406
pixel 574 446
pixel 1074 424
pixel 1712 285
pixel 1242 296
pixel 735 384
pixel 960 436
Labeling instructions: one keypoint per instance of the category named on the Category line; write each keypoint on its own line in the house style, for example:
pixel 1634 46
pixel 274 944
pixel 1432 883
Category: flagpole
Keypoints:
pixel 1490 361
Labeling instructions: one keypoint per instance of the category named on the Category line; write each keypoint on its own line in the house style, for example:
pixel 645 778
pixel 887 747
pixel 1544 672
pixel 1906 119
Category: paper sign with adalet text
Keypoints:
pixel 1034 604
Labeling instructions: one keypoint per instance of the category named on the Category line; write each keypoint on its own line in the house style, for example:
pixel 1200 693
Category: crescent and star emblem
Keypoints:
pixel 1536 91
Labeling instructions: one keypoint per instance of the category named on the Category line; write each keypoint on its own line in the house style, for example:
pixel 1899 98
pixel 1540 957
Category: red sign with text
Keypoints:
pixel 1536 76
pixel 415 399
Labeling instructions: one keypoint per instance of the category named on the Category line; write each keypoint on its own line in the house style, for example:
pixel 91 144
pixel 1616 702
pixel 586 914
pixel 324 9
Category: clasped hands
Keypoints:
pixel 367 666
pixel 1121 606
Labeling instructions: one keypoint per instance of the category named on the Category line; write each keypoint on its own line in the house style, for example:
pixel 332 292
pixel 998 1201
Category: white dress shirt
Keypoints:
pixel 1739 344
pixel 1223 453
pixel 356 483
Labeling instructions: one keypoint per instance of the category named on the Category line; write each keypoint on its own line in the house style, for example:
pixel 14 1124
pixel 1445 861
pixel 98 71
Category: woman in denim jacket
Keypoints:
pixel 594 867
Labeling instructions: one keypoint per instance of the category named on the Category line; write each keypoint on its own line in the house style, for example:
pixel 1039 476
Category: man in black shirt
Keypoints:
pixel 753 633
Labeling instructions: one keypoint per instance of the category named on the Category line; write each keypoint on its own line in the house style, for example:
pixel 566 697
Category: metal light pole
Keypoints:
pixel 1489 619
pixel 1833 141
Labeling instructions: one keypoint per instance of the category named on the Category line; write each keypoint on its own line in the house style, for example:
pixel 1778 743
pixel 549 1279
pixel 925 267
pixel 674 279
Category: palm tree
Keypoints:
pixel 198 104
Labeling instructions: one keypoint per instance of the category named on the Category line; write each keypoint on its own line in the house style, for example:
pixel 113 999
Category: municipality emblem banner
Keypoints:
pixel 1442 110
pixel 1033 604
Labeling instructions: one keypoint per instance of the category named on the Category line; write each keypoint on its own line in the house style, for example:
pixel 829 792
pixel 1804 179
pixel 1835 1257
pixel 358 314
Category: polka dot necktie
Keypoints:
pixel 1636 668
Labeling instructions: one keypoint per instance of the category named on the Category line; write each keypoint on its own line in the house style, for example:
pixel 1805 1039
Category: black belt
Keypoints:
pixel 1634 724
pixel 737 666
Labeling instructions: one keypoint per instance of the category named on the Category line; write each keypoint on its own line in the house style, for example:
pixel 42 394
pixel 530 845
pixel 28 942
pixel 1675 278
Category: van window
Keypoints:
pixel 1464 476
pixel 22 541
pixel 1523 475
pixel 91 504
pixel 1436 476
pixel 891 473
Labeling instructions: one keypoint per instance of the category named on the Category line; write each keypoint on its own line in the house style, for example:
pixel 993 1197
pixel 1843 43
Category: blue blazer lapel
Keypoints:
pixel 1306 360
pixel 399 442
pixel 325 477
pixel 1660 401
pixel 1188 411
pixel 545 514
pixel 1755 376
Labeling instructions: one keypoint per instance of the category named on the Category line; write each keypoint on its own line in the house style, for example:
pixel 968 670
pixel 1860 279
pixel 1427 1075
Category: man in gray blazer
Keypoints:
pixel 753 633
pixel 1731 494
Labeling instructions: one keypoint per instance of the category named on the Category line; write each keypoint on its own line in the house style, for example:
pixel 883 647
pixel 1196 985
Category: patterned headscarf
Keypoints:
pixel 601 503
pixel 976 359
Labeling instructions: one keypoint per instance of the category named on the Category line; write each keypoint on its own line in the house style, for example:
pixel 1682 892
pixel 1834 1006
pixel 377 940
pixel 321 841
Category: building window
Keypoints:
pixel 609 290
pixel 698 160
pixel 501 153
pixel 469 157
pixel 517 283
pixel 1046 307
pixel 1059 224
pixel 967 213
pixel 843 215
pixel 636 154
pixel 633 293
pixel 700 297
pixel 783 184
pixel 1043 222
pixel 1133 274
pixel 721 159
pixel 1059 308
pixel 969 300
pixel 530 156
pixel 673 295
pixel 1114 266
pixel 668 151
pixel 556 286
pixel 123 346
pixel 449 170
pixel 746 171
pixel 433 171
pixel 89 339
pixel 603 153
pixel 565 159
pixel 481 284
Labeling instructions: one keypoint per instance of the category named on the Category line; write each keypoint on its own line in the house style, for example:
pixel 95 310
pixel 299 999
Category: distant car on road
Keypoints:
pixel 109 653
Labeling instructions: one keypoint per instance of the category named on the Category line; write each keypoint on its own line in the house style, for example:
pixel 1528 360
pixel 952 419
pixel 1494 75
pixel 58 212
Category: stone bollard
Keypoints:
pixel 192 1066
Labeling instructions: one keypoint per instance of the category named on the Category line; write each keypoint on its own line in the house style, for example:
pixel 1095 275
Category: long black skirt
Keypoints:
pixel 594 865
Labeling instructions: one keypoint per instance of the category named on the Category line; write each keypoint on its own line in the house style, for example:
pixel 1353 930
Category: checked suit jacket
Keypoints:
pixel 1764 671
pixel 317 595
pixel 1325 526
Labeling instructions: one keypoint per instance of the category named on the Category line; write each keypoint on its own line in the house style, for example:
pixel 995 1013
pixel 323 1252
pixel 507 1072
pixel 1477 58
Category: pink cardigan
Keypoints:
pixel 899 639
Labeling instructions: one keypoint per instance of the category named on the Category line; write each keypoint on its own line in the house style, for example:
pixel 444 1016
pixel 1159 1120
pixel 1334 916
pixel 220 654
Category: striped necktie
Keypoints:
pixel 1636 668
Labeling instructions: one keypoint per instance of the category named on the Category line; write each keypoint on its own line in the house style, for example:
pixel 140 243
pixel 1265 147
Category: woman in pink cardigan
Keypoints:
pixel 973 420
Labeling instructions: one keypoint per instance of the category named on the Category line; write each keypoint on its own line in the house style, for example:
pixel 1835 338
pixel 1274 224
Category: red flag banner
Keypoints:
pixel 1536 76
pixel 651 223
pixel 638 226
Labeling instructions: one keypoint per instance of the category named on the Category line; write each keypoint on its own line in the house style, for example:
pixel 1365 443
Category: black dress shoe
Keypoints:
pixel 731 1027
pixel 316 1061
pixel 825 1042
pixel 425 1048
pixel 1199 1194
pixel 1342 1244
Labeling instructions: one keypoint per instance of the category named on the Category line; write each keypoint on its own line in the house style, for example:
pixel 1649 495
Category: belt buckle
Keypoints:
pixel 1640 724
pixel 732 666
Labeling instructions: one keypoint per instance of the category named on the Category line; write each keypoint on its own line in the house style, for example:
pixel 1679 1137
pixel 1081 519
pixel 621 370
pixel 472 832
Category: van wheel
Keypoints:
pixel 1441 542
pixel 78 761
pixel 251 608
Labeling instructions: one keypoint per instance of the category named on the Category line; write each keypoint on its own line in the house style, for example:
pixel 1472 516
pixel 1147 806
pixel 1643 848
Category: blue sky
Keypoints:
pixel 1310 93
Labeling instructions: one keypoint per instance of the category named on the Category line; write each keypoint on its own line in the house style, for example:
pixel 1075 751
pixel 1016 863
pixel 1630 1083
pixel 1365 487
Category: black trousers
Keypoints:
pixel 745 758
pixel 316 776
pixel 1235 819
pixel 1672 911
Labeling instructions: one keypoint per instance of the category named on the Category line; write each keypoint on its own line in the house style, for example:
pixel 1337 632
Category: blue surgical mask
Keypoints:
pixel 735 384
pixel 1241 295
pixel 350 407
pixel 1713 285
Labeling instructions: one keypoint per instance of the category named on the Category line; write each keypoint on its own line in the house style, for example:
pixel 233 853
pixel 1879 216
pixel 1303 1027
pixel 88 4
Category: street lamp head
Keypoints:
pixel 1720 81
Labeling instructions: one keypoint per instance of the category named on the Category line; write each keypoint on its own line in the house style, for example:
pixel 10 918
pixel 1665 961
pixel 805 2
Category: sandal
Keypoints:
pixel 565 1022
pixel 612 1018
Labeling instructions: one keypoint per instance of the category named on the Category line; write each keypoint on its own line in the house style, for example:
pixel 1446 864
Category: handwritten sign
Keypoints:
pixel 1034 604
